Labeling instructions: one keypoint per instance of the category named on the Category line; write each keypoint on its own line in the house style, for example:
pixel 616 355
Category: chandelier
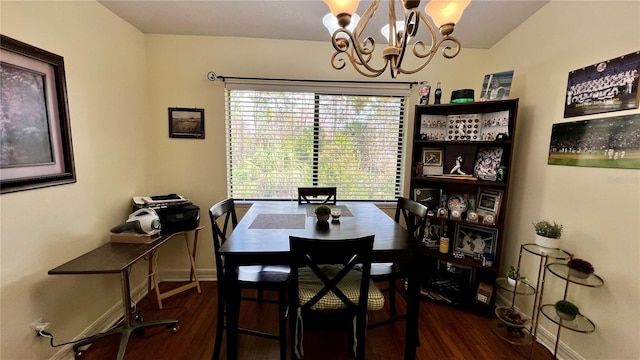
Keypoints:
pixel 444 13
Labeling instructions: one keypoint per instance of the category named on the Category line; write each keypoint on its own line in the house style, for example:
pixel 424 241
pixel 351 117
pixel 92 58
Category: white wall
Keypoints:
pixel 121 83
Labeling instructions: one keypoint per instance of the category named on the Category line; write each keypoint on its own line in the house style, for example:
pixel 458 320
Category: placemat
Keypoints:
pixel 344 210
pixel 278 221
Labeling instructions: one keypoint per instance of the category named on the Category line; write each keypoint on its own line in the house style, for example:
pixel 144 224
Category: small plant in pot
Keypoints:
pixel 548 234
pixel 580 268
pixel 322 213
pixel 566 310
pixel 512 275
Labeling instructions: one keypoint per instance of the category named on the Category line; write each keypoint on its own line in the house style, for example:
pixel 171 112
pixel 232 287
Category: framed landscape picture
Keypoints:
pixel 186 123
pixel 35 132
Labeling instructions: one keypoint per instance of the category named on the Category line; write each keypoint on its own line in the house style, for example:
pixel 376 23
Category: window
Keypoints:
pixel 282 137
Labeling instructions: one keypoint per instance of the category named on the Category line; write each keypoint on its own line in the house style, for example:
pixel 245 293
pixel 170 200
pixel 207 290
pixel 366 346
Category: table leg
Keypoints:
pixel 130 324
pixel 232 292
pixel 413 310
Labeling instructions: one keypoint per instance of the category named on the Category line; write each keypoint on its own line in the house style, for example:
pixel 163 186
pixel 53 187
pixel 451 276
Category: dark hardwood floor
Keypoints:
pixel 445 333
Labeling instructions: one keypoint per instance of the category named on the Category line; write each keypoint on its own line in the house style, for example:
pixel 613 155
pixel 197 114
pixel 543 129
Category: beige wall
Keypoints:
pixel 40 229
pixel 121 83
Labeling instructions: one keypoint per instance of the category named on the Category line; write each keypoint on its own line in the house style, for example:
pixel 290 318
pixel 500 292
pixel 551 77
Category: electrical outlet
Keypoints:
pixel 38 326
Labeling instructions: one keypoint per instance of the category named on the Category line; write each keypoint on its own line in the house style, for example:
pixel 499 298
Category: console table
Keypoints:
pixel 117 258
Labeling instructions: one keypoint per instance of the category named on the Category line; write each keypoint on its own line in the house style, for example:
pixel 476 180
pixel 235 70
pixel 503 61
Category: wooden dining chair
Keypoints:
pixel 317 195
pixel 260 278
pixel 414 217
pixel 330 286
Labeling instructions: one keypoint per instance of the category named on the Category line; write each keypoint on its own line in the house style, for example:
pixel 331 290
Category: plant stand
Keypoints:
pixel 526 335
pixel 581 323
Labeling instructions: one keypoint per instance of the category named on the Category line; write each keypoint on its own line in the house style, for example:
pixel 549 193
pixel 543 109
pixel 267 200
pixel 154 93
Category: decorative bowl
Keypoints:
pixel 512 317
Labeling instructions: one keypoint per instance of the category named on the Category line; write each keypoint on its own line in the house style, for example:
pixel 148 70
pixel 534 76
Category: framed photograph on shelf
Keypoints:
pixel 493 124
pixel 35 143
pixel 488 161
pixel 427 197
pixel 432 233
pixel 475 240
pixel 496 86
pixel 488 205
pixel 186 123
pixel 432 161
pixel 433 127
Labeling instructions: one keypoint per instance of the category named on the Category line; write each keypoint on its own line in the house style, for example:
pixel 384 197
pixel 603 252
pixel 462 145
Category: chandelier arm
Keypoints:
pixel 403 37
pixel 445 51
pixel 358 54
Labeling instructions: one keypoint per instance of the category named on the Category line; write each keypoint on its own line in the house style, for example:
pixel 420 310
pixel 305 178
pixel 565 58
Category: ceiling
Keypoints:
pixel 483 23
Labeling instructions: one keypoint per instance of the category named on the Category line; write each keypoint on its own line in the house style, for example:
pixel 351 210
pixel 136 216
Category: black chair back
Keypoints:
pixel 317 195
pixel 414 216
pixel 225 208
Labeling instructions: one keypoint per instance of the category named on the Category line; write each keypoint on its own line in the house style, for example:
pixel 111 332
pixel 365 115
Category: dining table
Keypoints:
pixel 262 238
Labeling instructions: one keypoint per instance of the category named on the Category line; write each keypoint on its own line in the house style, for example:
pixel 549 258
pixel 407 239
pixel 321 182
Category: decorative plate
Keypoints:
pixel 457 202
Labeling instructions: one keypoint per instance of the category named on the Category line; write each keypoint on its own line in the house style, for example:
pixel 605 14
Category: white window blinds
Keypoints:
pixel 280 137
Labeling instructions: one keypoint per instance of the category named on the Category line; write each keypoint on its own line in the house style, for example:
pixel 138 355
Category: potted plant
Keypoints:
pixel 566 310
pixel 548 234
pixel 512 275
pixel 580 268
pixel 322 213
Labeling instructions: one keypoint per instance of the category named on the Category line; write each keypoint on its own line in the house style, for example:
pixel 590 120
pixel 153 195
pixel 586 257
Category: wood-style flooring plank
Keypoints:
pixel 445 333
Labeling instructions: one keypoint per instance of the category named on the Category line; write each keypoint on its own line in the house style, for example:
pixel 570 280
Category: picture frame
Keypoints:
pixel 432 233
pixel 488 204
pixel 474 240
pixel 488 161
pixel 567 149
pixel 432 161
pixel 606 86
pixel 427 197
pixel 186 123
pixel 36 146
pixel 496 86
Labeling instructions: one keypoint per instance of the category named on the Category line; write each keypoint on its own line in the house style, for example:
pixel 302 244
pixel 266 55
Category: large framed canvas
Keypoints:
pixel 612 142
pixel 35 131
pixel 610 85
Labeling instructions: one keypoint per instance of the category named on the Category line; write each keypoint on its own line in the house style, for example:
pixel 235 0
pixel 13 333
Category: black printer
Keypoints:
pixel 176 216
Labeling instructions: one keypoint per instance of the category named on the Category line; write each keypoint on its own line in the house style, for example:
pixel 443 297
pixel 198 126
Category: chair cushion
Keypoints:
pixel 309 285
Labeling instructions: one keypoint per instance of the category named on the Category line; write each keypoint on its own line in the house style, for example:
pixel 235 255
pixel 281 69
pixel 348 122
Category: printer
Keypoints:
pixel 175 212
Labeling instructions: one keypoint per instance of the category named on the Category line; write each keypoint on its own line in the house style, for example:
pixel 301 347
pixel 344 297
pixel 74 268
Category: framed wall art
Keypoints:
pixel 612 142
pixel 186 123
pixel 610 85
pixel 475 240
pixel 35 134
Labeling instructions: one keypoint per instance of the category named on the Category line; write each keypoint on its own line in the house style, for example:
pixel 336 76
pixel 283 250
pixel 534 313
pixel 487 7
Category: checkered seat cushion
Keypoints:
pixel 309 285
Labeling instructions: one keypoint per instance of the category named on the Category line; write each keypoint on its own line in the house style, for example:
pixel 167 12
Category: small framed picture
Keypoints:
pixel 186 123
pixel 432 161
pixel 488 161
pixel 488 205
pixel 427 197
pixel 496 86
pixel 432 234
pixel 475 240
